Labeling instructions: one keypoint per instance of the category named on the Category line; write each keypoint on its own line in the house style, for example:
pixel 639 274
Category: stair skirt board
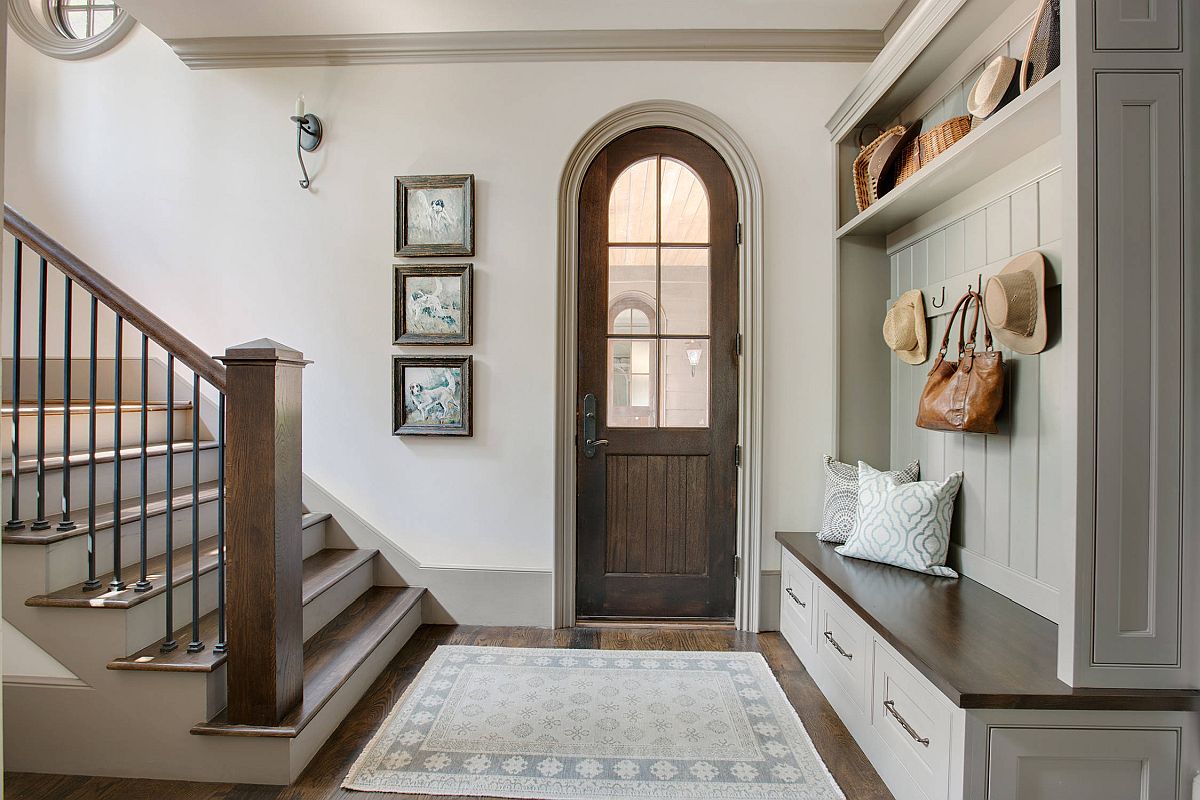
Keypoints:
pixel 71 731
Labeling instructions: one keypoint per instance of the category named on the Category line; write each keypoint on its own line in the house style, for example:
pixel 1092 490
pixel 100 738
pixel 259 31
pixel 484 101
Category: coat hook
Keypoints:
pixel 937 304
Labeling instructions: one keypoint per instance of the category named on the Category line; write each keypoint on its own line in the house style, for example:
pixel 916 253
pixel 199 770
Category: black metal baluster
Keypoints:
pixel 40 523
pixel 169 642
pixel 221 646
pixel 15 522
pixel 116 584
pixel 92 583
pixel 143 583
pixel 66 523
pixel 195 646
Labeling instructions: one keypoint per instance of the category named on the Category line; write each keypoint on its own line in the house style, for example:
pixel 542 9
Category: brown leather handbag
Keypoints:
pixel 967 395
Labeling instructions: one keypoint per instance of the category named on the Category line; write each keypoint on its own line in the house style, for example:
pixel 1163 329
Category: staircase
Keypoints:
pixel 179 602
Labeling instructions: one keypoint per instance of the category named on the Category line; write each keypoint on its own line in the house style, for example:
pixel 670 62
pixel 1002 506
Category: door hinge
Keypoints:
pixel 737 455
pixel 737 566
pixel 738 233
pixel 737 344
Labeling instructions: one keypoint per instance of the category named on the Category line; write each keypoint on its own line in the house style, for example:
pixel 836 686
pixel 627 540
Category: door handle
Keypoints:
pixel 590 442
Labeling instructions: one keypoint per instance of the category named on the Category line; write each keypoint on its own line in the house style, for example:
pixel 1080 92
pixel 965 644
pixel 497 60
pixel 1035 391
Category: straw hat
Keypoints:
pixel 998 85
pixel 904 328
pixel 883 162
pixel 1014 302
pixel 1043 53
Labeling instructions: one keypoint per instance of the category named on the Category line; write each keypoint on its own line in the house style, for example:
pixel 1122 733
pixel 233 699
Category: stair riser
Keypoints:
pixel 314 539
pixel 131 431
pixel 334 600
pixel 130 482
pixel 67 560
pixel 131 378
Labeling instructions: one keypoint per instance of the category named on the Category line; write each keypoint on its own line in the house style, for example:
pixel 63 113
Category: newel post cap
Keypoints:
pixel 262 350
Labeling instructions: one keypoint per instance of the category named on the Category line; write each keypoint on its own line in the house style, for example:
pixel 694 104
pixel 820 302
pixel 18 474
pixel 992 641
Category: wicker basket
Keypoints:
pixel 931 144
pixel 864 186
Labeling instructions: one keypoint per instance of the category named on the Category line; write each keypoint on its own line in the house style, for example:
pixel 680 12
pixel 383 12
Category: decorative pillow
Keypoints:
pixel 841 497
pixel 903 524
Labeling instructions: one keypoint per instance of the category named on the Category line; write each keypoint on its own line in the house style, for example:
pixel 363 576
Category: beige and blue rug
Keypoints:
pixel 572 724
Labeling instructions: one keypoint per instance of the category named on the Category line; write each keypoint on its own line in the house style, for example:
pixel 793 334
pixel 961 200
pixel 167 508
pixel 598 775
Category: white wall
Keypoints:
pixel 181 186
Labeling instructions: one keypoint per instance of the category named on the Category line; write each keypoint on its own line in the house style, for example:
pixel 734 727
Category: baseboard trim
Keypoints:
pixel 725 44
pixel 768 600
pixel 465 595
pixel 45 681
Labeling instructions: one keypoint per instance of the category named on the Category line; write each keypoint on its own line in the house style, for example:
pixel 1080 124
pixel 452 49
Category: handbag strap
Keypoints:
pixel 950 327
pixel 975 299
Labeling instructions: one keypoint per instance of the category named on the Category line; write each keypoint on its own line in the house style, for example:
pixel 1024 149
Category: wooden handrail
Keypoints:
pixel 116 298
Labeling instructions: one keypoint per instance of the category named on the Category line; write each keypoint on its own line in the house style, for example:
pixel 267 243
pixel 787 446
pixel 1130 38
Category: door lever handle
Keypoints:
pixel 590 442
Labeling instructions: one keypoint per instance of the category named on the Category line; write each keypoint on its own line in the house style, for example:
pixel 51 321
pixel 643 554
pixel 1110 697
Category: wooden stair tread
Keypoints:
pixel 331 657
pixel 82 407
pixel 321 570
pixel 131 514
pixel 80 459
pixel 77 597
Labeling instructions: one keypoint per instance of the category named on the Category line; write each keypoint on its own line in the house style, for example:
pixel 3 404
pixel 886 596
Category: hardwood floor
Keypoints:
pixel 322 780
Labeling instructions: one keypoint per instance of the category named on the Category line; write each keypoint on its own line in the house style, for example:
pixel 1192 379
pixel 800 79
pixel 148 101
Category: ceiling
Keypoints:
pixel 179 19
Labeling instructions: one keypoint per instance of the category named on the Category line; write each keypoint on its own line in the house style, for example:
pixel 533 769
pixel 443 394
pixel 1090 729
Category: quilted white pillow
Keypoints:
pixel 841 497
pixel 903 524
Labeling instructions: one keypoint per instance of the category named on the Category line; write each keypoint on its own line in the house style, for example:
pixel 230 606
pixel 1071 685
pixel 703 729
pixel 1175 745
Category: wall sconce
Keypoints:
pixel 693 350
pixel 308 136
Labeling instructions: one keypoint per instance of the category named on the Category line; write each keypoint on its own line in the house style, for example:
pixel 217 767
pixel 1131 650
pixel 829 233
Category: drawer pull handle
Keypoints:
pixel 799 602
pixel 890 707
pixel 838 647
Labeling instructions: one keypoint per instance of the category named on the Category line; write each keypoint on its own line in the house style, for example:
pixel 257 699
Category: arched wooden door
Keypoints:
pixel 657 392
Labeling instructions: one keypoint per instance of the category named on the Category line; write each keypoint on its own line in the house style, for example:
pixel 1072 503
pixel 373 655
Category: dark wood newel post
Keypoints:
pixel 263 510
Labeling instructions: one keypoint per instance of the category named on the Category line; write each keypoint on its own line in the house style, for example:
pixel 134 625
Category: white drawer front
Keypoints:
pixel 914 721
pixel 798 596
pixel 844 647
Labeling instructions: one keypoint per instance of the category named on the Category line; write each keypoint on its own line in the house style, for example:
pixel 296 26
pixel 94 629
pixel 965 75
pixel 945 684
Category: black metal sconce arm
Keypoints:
pixel 309 133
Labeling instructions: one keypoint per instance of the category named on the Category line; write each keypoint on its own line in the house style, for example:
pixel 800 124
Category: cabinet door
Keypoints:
pixel 1140 365
pixel 1138 24
pixel 1082 764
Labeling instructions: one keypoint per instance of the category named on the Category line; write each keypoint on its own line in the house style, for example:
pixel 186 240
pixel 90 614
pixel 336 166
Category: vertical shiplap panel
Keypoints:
pixel 974 492
pixel 936 261
pixel 999 231
pixel 954 463
pixel 934 465
pixel 974 242
pixel 999 456
pixel 1024 387
pixel 915 436
pixel 955 248
pixel 897 393
pixel 1055 473
pixel 1050 208
pixel 1025 219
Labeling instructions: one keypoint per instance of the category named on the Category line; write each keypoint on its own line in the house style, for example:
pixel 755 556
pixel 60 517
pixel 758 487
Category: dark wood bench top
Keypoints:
pixel 981 649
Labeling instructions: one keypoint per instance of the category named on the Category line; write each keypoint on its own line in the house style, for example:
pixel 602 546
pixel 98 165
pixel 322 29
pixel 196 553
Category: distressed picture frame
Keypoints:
pixel 431 395
pixel 435 215
pixel 432 305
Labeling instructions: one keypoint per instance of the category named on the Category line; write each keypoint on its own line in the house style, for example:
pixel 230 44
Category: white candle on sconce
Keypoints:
pixel 299 106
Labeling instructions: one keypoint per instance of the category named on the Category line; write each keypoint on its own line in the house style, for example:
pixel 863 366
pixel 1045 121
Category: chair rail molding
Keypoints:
pixel 748 183
pixel 224 52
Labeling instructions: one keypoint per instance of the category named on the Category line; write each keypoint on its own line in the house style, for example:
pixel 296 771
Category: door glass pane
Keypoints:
pixel 633 204
pixel 632 383
pixel 685 390
pixel 632 288
pixel 685 290
pixel 684 204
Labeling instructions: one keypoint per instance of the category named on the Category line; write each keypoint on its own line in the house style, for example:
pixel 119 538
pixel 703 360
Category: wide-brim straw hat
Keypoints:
pixel 904 328
pixel 884 162
pixel 1014 303
pixel 998 85
pixel 1044 51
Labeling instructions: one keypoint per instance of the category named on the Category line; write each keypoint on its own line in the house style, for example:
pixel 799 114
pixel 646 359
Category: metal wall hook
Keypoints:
pixel 937 304
pixel 309 133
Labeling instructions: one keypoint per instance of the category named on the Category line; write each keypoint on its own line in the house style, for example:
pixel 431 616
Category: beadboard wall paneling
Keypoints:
pixel 1010 521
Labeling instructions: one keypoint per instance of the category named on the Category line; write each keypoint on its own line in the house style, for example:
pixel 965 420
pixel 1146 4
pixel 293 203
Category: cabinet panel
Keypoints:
pixel 798 598
pixel 1138 24
pixel 1139 368
pixel 914 721
pixel 844 647
pixel 1081 764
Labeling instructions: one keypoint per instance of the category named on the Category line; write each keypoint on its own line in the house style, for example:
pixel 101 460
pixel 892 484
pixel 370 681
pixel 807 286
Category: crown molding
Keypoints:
pixel 507 46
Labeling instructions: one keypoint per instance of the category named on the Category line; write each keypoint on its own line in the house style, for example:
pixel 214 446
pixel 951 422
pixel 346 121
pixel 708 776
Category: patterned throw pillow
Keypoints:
pixel 903 524
pixel 841 497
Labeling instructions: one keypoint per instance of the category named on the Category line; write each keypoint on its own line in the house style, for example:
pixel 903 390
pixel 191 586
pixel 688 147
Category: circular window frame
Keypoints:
pixel 35 28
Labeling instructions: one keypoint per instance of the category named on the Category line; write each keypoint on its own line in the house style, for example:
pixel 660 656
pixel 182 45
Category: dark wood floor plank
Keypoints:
pixel 322 779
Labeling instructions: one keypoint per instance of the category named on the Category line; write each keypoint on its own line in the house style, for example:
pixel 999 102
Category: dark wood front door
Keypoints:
pixel 657 394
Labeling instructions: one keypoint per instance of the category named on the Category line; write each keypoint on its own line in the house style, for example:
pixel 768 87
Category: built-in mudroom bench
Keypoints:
pixel 950 688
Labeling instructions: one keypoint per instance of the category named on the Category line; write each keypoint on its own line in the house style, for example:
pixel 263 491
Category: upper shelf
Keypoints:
pixel 1026 123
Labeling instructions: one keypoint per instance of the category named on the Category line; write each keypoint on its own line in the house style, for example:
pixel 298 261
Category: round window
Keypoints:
pixel 83 19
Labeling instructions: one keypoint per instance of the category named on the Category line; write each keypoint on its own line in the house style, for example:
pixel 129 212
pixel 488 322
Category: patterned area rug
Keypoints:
pixel 567 724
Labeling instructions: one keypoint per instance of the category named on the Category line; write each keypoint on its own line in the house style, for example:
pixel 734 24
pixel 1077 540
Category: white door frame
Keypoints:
pixel 701 123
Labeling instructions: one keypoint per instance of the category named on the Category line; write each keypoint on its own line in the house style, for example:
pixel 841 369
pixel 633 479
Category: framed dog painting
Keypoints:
pixel 432 305
pixel 431 395
pixel 435 215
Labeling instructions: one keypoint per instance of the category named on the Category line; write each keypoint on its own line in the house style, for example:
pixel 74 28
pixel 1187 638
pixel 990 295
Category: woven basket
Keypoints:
pixel 931 144
pixel 864 186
